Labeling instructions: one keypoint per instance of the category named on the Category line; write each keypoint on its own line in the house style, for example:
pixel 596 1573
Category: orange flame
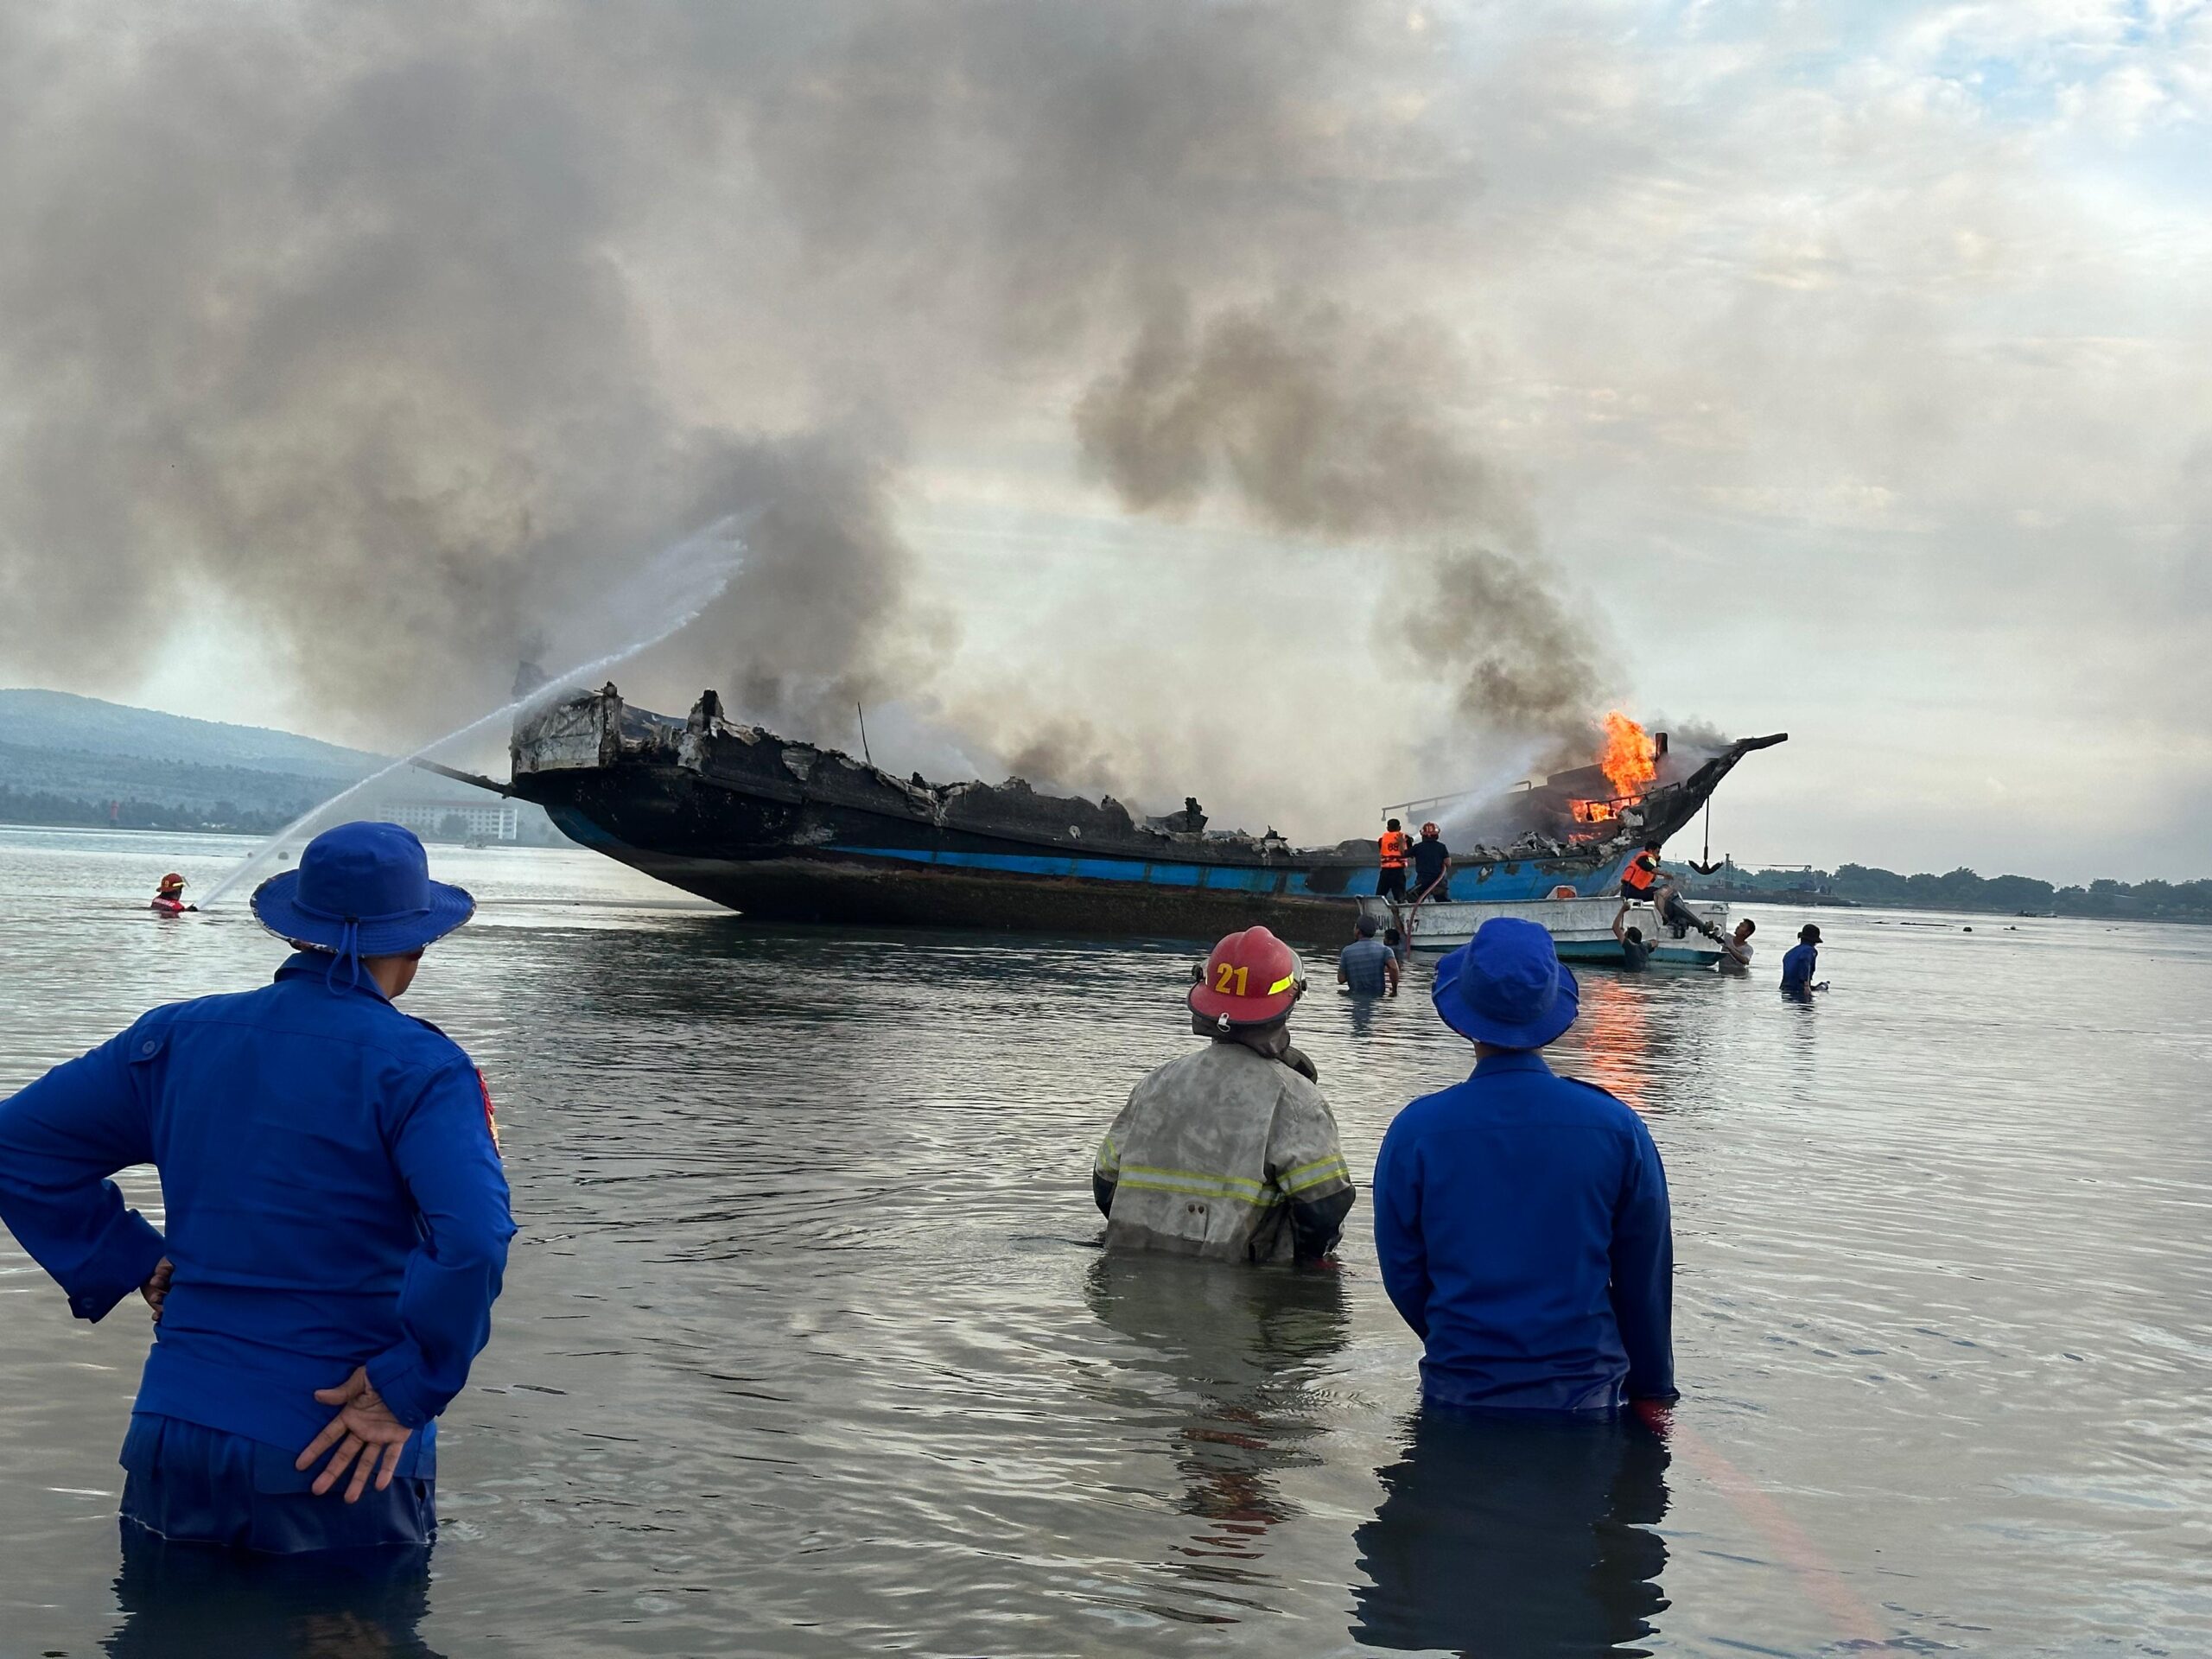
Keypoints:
pixel 1630 761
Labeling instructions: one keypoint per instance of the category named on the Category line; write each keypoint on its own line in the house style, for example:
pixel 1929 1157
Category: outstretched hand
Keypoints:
pixel 366 1433
pixel 156 1290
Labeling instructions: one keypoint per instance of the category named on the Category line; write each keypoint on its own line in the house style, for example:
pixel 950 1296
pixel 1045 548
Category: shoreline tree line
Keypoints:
pixel 1963 889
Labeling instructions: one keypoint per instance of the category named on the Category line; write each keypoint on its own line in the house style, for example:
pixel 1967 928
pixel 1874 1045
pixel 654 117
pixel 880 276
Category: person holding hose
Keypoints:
pixel 336 1226
pixel 1432 865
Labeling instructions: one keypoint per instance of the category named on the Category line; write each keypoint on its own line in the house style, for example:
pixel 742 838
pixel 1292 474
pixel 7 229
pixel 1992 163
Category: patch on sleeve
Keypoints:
pixel 491 1118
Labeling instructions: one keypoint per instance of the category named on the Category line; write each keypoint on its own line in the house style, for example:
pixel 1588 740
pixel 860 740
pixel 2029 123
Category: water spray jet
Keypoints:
pixel 698 568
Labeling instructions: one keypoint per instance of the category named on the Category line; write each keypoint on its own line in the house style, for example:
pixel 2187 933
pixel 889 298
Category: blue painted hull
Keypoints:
pixel 681 830
pixel 787 832
pixel 1500 879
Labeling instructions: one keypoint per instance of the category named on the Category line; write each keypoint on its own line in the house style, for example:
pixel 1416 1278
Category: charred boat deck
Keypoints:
pixel 787 831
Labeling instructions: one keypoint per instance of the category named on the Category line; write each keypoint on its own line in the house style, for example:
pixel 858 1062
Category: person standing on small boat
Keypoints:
pixel 1368 967
pixel 1432 867
pixel 1800 963
pixel 1521 1219
pixel 1230 1153
pixel 1391 853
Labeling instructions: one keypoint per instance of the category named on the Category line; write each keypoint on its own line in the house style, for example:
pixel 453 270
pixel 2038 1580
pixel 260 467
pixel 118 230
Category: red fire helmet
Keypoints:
pixel 1429 832
pixel 1251 979
pixel 172 879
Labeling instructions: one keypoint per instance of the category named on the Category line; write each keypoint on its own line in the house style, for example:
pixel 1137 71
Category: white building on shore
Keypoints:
pixel 498 820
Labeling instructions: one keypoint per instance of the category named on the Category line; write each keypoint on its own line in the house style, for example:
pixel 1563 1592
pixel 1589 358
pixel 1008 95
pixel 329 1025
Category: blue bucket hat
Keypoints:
pixel 1506 987
pixel 361 890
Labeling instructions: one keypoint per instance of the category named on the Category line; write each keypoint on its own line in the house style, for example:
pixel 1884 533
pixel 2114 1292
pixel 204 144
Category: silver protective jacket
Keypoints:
pixel 1212 1153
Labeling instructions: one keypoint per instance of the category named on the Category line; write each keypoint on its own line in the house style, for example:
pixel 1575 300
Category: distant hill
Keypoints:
pixel 87 726
pixel 67 760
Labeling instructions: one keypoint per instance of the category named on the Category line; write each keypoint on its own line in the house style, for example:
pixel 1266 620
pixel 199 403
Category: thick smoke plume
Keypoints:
pixel 1319 426
pixel 1315 423
pixel 407 327
pixel 1515 656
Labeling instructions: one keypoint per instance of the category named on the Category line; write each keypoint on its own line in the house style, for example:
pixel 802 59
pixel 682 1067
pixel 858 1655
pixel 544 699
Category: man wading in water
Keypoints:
pixel 337 1218
pixel 1230 1152
pixel 1520 1217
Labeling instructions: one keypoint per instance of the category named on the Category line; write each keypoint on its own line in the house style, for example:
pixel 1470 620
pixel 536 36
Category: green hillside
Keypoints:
pixel 67 760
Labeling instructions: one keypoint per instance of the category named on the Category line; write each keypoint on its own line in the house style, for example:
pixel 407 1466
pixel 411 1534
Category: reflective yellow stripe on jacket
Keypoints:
pixel 1321 1171
pixel 1196 1184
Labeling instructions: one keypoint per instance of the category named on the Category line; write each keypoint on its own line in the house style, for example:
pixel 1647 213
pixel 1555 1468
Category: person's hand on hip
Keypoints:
pixel 156 1290
pixel 366 1435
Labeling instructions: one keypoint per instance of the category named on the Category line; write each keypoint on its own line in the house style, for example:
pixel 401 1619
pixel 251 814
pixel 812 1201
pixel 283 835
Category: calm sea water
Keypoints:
pixel 808 1348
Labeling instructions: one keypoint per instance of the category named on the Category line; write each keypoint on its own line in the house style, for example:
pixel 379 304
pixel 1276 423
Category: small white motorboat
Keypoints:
pixel 1581 929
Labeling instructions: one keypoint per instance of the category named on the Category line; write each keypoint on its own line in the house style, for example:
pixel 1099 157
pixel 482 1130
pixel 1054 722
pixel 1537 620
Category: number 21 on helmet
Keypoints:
pixel 1251 979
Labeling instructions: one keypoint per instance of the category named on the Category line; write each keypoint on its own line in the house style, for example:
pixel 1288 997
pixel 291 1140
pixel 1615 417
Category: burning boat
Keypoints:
pixel 786 831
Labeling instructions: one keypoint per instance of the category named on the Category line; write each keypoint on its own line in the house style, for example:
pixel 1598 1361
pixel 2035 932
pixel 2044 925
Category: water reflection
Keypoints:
pixel 1363 1015
pixel 797 1356
pixel 1241 1351
pixel 1509 1535
pixel 1615 1039
pixel 183 1601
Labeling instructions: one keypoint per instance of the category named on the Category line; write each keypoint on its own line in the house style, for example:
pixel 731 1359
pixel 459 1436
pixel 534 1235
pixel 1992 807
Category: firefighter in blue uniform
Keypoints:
pixel 1520 1217
pixel 336 1223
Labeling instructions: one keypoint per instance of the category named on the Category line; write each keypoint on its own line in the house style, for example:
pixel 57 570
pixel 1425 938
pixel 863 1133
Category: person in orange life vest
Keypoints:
pixel 1392 851
pixel 169 897
pixel 1641 871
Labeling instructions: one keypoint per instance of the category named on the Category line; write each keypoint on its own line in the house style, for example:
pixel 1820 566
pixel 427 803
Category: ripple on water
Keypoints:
pixel 807 1347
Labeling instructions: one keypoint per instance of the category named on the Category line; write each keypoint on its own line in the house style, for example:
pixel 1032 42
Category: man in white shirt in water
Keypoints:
pixel 1736 948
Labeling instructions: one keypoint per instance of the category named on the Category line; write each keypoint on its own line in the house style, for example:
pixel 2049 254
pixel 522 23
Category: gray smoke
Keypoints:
pixel 1314 422
pixel 1319 425
pixel 1517 657
pixel 409 327
pixel 1062 752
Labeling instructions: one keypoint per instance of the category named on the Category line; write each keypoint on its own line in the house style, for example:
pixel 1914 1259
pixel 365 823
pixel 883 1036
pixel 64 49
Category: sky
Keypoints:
pixel 1304 407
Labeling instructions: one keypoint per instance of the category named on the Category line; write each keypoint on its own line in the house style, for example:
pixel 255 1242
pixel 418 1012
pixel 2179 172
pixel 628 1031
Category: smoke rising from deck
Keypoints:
pixel 406 328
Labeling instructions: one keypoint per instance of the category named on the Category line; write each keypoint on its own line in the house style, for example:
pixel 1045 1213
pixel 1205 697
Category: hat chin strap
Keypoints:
pixel 349 943
pixel 349 952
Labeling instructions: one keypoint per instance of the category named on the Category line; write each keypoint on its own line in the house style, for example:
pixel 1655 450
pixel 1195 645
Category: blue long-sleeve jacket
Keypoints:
pixel 334 1193
pixel 1523 1226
